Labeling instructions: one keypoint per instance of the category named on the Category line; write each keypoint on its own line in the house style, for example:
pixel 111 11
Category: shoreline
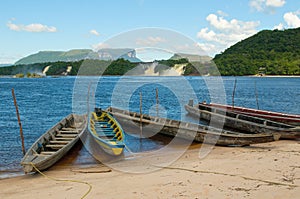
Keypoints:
pixel 66 76
pixel 289 76
pixel 269 170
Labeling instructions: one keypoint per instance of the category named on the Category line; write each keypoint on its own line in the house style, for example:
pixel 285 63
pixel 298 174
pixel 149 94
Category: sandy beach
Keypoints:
pixel 270 170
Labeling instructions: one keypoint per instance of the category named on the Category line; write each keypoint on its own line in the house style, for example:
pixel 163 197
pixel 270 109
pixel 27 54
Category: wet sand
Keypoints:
pixel 270 170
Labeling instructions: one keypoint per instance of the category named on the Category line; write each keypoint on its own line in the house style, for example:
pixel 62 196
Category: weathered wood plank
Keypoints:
pixel 64 139
pixel 58 142
pixel 67 135
pixel 68 131
pixel 55 146
pixel 48 152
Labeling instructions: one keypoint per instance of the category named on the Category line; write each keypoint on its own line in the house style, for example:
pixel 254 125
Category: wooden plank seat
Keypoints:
pixel 47 152
pixel 66 135
pixel 107 137
pixel 102 123
pixel 103 127
pixel 107 134
pixel 63 138
pixel 105 130
pixel 68 131
pixel 55 146
pixel 59 142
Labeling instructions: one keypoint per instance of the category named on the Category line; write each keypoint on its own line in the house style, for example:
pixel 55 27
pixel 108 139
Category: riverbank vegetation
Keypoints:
pixel 267 52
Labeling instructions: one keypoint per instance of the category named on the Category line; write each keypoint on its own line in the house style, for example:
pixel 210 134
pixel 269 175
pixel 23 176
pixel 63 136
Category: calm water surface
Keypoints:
pixel 43 102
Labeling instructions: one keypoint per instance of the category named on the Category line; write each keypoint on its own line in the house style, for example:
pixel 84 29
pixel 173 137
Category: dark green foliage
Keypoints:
pixel 119 67
pixel 89 67
pixel 172 62
pixel 270 52
pixel 193 68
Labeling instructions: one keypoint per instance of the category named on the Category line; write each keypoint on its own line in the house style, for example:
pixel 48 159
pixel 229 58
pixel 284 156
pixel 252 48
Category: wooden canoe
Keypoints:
pixel 186 130
pixel 104 133
pixel 291 119
pixel 54 144
pixel 242 122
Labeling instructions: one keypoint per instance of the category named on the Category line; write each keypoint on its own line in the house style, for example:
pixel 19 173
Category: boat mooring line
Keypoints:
pixel 64 180
pixel 227 174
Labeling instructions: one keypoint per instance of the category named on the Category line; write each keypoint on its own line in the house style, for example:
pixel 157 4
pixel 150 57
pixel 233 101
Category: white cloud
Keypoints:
pixel 292 19
pixel 275 3
pixel 224 33
pixel 207 34
pixel 279 27
pixel 266 5
pixel 233 25
pixel 208 47
pixel 221 13
pixel 150 41
pixel 35 27
pixel 94 32
pixel 257 4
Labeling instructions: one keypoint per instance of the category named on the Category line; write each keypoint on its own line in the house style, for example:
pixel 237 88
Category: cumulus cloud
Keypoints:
pixel 94 32
pixel 291 20
pixel 35 27
pixel 275 3
pixel 279 26
pixel 221 13
pixel 208 47
pixel 266 5
pixel 150 41
pixel 224 33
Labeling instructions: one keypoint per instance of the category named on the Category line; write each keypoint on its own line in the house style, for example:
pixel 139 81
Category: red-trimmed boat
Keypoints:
pixel 291 119
pixel 241 122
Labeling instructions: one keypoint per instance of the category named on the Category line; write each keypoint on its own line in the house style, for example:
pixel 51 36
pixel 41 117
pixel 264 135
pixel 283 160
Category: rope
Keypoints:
pixel 227 174
pixel 64 180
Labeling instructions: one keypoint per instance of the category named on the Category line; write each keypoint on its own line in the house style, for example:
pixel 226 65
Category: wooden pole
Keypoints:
pixel 141 106
pixel 157 102
pixel 88 102
pixel 256 96
pixel 19 120
pixel 233 92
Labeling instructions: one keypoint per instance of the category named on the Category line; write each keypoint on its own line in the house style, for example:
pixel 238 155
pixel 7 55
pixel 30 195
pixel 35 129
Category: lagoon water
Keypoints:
pixel 43 102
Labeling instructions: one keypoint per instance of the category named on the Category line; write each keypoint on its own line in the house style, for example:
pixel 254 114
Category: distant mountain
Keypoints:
pixel 114 54
pixel 192 58
pixel 267 52
pixel 54 56
pixel 79 54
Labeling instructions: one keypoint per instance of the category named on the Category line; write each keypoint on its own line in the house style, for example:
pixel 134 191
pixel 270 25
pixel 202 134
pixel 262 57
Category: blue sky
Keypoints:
pixel 35 25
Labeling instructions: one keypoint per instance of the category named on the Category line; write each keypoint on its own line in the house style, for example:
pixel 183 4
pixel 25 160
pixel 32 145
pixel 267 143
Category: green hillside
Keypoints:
pixel 269 52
